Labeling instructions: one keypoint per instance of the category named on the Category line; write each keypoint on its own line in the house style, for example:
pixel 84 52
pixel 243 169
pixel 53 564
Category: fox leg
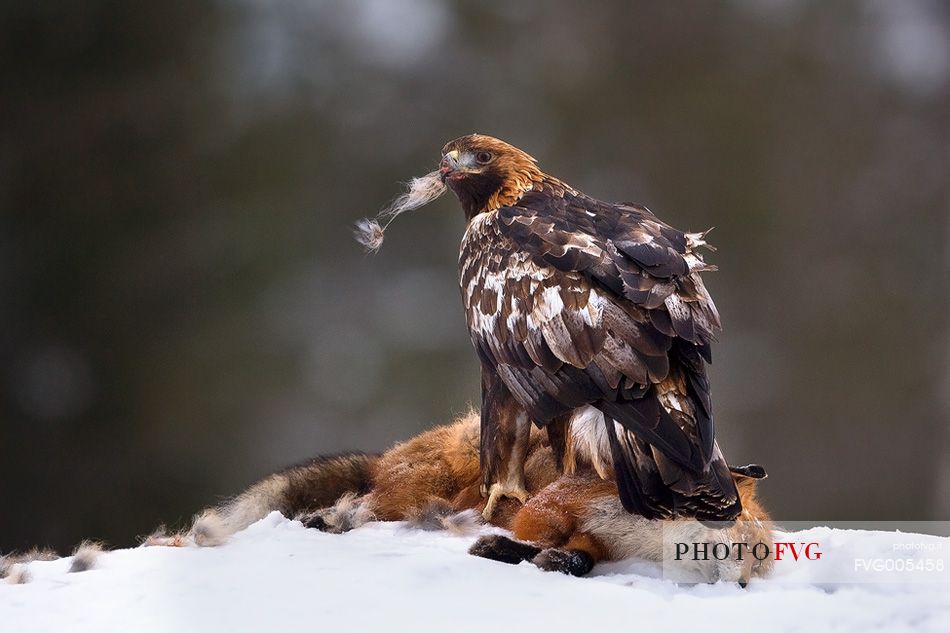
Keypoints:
pixel 575 558
pixel 505 434
pixel 545 532
pixel 550 520
pixel 503 549
pixel 349 512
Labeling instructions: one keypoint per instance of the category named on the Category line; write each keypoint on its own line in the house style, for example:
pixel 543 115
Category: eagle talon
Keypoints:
pixel 498 491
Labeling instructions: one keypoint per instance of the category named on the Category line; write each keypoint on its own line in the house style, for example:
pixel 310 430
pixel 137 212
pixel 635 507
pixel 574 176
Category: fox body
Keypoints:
pixel 571 521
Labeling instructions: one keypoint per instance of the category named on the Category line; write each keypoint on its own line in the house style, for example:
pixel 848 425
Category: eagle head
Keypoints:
pixel 486 173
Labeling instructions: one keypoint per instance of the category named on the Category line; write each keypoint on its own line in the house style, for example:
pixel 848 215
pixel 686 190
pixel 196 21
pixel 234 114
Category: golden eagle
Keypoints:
pixel 588 313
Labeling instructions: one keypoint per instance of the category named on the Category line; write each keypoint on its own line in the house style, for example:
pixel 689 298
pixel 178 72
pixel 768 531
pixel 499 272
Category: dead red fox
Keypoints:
pixel 570 522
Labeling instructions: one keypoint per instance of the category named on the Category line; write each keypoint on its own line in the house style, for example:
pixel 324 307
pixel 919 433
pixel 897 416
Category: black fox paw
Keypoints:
pixel 503 549
pixel 315 521
pixel 567 561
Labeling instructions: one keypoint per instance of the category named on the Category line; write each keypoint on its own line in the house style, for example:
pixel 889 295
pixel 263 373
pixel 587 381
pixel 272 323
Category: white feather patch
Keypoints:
pixel 589 437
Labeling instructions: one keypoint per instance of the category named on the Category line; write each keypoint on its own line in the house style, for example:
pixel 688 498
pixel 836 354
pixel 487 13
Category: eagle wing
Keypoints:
pixel 574 301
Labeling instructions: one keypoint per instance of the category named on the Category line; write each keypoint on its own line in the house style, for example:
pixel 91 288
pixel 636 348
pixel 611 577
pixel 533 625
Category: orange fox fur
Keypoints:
pixel 436 474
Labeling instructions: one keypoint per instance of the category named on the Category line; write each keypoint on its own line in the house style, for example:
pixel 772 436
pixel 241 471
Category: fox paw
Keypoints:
pixel 329 521
pixel 439 515
pixel 315 521
pixel 347 513
pixel 573 562
pixel 503 549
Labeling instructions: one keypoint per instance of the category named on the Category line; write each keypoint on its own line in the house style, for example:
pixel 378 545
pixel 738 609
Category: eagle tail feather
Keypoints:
pixel 648 419
pixel 658 488
pixel 629 485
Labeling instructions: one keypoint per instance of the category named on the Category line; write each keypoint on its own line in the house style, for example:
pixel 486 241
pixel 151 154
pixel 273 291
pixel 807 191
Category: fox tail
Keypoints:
pixel 305 488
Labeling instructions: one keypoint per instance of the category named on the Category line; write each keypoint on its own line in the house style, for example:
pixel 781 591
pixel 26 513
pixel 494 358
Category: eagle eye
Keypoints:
pixel 483 158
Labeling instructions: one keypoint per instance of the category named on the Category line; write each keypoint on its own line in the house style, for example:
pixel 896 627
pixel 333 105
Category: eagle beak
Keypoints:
pixel 449 164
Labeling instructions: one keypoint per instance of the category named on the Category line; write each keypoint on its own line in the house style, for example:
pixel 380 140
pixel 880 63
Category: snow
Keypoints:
pixel 276 575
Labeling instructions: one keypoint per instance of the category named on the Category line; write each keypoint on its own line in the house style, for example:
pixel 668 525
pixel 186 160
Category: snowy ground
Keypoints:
pixel 278 576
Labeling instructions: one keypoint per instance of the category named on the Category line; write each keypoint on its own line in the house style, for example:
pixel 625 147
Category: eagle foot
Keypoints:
pixel 498 491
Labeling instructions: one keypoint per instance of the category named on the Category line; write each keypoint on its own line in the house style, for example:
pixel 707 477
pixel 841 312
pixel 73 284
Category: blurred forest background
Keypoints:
pixel 182 307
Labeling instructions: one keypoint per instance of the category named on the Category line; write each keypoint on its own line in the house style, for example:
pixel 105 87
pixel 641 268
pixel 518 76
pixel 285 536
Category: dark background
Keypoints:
pixel 182 307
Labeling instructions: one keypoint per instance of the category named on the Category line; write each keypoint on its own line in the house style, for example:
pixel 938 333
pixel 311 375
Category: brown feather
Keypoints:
pixel 572 301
